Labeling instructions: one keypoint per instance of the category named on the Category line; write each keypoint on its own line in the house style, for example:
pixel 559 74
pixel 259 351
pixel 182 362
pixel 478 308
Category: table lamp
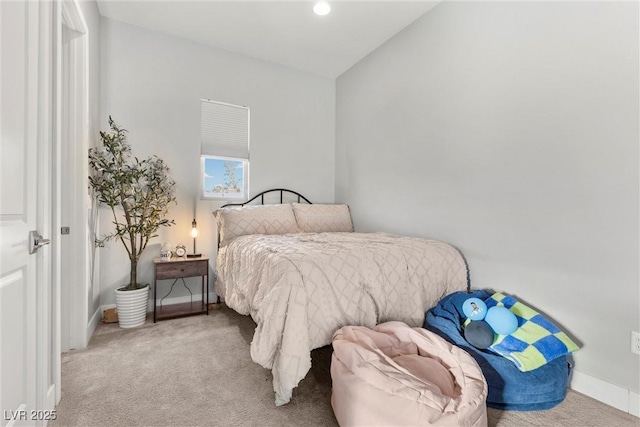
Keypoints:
pixel 194 234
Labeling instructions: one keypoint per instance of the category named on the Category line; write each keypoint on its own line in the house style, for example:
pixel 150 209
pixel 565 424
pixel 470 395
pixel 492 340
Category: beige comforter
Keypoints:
pixel 301 288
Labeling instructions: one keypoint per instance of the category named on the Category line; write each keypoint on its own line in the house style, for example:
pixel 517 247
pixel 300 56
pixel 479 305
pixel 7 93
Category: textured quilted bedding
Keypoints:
pixel 301 288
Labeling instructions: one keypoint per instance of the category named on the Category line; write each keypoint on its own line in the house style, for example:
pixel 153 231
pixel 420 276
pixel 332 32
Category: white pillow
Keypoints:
pixel 257 219
pixel 320 218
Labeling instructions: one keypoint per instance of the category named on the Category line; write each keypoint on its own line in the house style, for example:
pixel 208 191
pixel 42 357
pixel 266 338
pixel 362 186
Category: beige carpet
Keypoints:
pixel 197 371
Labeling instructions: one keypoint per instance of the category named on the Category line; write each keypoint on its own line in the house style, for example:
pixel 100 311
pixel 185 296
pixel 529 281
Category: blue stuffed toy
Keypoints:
pixel 483 323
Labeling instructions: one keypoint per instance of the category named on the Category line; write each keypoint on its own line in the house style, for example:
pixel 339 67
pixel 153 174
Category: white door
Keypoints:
pixel 26 375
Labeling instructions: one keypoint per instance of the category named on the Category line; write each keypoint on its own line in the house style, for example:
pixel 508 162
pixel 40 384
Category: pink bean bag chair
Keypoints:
pixel 395 375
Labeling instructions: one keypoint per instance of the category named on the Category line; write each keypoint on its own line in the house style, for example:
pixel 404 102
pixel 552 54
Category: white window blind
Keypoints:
pixel 224 130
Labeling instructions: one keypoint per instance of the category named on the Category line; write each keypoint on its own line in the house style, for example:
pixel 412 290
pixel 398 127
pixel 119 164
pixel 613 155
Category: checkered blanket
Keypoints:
pixel 536 342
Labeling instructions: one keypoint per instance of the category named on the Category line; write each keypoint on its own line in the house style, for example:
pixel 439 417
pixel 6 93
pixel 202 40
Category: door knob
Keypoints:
pixel 35 241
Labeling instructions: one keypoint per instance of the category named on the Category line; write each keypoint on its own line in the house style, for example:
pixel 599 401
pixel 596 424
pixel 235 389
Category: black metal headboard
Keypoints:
pixel 282 192
pixel 274 190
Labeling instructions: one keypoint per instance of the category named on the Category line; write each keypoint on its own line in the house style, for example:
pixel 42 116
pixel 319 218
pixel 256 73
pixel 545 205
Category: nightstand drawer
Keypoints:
pixel 175 269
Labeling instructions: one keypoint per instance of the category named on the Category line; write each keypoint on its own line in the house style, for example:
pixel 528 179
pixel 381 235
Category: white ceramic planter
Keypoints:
pixel 132 307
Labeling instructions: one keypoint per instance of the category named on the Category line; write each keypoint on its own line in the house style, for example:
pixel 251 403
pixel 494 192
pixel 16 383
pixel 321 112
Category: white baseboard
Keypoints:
pixel 50 402
pixel 634 404
pixel 612 395
pixel 93 324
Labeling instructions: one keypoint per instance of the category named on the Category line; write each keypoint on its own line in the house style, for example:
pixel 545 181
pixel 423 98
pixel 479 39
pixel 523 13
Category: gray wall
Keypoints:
pixel 511 131
pixel 152 85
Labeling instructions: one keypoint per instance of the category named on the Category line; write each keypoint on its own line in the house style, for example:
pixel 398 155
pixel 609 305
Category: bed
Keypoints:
pixel 301 272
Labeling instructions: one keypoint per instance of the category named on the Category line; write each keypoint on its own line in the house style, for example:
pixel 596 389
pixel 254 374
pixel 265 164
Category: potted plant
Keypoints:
pixel 138 193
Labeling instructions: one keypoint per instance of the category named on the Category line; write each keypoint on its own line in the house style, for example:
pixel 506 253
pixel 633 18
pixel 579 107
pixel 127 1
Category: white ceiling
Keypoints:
pixel 285 32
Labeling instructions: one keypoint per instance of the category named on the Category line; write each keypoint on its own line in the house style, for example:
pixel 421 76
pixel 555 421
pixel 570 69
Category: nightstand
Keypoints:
pixel 178 269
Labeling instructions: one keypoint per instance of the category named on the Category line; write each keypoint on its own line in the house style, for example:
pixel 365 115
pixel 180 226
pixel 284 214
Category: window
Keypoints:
pixel 224 150
pixel 224 178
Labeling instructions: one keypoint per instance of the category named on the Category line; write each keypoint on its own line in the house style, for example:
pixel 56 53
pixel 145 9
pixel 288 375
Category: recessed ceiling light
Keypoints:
pixel 321 8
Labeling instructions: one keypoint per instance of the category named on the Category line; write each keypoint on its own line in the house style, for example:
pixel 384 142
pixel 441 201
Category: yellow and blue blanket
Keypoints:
pixel 535 342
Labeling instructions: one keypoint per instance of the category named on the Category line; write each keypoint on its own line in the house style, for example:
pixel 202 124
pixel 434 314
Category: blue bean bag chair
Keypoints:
pixel 509 388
